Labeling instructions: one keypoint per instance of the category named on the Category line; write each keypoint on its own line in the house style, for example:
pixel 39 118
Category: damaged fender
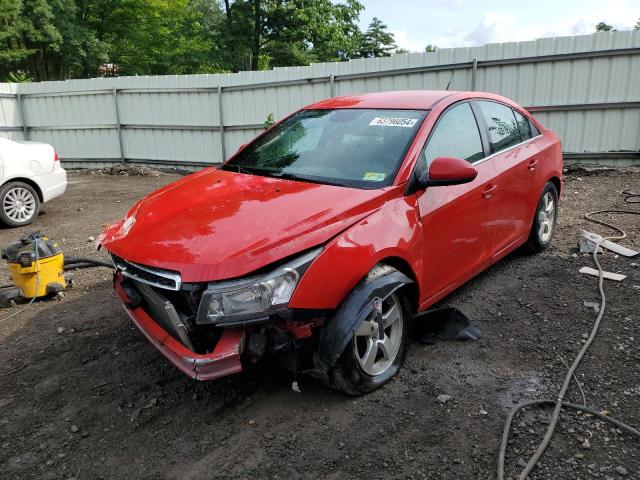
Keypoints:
pixel 339 331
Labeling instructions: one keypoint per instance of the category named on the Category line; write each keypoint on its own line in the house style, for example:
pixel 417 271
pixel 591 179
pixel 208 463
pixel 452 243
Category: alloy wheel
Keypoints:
pixel 374 350
pixel 19 204
pixel 546 217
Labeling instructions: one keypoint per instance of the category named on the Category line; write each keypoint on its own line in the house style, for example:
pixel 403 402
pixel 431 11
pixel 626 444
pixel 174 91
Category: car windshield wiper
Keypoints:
pixel 282 175
pixel 237 168
pixel 288 176
pixel 305 178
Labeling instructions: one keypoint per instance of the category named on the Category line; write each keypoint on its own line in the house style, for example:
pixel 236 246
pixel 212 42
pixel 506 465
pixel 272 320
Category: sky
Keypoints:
pixel 467 23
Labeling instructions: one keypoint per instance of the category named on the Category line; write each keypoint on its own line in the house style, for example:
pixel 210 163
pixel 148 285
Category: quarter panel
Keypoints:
pixel 550 157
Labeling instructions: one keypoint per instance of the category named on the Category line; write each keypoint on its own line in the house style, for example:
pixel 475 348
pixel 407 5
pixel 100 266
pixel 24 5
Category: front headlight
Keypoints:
pixel 253 298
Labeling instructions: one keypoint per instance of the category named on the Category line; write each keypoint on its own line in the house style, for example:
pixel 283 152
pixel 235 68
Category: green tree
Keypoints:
pixel 603 27
pixel 12 50
pixel 41 37
pixel 637 27
pixel 157 37
pixel 266 33
pixel 431 48
pixel 46 41
pixel 59 39
pixel 377 41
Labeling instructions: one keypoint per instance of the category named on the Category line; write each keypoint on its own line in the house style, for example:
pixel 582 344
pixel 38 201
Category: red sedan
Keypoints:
pixel 320 239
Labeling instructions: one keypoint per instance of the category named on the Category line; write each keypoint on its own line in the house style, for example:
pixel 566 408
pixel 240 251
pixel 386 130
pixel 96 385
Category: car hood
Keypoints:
pixel 215 225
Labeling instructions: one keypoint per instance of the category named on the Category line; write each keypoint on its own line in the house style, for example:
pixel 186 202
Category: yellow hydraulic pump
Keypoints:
pixel 36 264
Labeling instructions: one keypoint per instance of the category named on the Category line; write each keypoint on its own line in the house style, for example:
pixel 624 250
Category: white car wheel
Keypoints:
pixel 20 204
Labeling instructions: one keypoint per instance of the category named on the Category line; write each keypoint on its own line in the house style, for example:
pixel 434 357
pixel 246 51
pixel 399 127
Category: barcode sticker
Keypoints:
pixel 394 122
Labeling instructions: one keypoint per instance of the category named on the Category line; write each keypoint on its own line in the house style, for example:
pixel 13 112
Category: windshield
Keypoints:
pixel 350 147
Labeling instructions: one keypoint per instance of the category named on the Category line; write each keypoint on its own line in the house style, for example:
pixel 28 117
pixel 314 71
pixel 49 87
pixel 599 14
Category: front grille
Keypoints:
pixel 155 277
pixel 175 312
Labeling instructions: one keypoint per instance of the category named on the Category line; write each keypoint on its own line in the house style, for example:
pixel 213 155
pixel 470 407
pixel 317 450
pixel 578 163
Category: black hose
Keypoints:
pixel 72 263
pixel 78 266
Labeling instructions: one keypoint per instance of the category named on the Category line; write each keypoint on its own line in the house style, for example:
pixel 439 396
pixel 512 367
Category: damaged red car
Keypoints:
pixel 326 234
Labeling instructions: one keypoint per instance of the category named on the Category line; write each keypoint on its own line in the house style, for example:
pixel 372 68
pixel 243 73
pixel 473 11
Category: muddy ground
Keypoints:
pixel 83 395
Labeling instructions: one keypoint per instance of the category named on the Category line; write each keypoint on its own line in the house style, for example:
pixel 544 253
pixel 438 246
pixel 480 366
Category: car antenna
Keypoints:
pixel 450 78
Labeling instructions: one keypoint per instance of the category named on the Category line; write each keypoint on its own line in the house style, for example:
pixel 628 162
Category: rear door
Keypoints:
pixel 456 220
pixel 514 159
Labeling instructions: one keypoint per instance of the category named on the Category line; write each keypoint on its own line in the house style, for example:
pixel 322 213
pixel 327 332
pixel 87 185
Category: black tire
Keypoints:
pixel 538 242
pixel 21 192
pixel 348 376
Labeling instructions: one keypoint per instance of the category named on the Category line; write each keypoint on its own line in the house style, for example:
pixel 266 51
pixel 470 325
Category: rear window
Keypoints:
pixel 501 122
pixel 523 126
pixel 534 130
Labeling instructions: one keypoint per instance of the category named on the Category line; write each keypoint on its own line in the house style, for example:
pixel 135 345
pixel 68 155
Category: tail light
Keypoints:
pixel 56 158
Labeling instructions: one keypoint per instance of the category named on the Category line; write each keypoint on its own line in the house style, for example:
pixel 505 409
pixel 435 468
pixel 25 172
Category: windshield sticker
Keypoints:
pixel 374 176
pixel 394 122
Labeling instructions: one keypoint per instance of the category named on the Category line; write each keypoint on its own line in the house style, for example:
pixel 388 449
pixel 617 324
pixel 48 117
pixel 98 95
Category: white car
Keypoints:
pixel 30 174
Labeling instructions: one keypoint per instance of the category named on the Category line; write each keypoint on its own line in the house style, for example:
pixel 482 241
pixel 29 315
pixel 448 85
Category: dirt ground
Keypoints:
pixel 84 396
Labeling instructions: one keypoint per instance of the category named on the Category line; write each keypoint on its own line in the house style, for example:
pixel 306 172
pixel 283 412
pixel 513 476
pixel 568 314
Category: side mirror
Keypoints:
pixel 447 171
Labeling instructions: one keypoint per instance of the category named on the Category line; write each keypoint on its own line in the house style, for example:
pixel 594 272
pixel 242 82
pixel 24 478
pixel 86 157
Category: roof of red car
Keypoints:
pixel 413 99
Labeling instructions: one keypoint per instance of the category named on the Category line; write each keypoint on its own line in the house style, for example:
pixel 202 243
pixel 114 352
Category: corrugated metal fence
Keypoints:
pixel 586 88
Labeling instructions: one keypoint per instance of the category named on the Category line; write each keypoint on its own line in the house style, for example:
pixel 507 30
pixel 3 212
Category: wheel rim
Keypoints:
pixel 546 217
pixel 19 204
pixel 374 354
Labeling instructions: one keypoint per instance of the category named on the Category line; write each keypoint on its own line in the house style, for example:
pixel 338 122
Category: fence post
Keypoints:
pixel 23 117
pixel 114 91
pixel 332 81
pixel 474 72
pixel 221 122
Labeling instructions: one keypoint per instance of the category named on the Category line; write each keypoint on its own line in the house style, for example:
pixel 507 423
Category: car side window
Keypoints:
pixel 456 135
pixel 523 126
pixel 534 130
pixel 501 122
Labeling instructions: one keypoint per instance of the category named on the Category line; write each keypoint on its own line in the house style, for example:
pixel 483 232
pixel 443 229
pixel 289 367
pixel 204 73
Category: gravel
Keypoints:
pixel 147 420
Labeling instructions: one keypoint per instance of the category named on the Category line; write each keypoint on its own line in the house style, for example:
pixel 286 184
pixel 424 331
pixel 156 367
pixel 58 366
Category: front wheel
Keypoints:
pixel 544 220
pixel 20 204
pixel 377 350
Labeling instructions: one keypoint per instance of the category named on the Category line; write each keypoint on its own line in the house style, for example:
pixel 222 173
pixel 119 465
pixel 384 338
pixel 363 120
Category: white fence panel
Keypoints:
pixel 585 88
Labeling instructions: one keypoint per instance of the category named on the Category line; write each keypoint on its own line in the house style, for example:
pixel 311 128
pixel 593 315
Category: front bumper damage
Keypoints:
pixel 222 361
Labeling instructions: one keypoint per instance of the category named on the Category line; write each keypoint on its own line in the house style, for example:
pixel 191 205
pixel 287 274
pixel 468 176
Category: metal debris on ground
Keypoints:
pixel 618 277
pixel 442 324
pixel 126 170
pixel 594 305
pixel 588 240
pixel 152 403
pixel 443 398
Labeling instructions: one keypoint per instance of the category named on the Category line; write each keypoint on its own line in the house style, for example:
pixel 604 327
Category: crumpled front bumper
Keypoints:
pixel 223 361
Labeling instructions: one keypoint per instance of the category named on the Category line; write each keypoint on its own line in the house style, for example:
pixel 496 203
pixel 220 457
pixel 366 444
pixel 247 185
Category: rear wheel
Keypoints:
pixel 377 350
pixel 19 204
pixel 544 221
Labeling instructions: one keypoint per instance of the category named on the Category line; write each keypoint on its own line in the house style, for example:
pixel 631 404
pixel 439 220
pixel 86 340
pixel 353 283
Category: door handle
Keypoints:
pixel 488 191
pixel 533 164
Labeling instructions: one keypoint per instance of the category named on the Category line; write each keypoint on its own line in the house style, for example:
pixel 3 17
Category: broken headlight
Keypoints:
pixel 253 298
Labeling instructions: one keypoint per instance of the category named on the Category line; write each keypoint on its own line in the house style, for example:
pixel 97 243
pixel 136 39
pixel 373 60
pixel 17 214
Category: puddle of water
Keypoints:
pixel 526 386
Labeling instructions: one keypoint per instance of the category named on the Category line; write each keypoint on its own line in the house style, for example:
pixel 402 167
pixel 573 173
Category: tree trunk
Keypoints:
pixel 255 47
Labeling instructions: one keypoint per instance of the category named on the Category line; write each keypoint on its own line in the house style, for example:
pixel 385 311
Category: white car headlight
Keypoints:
pixel 253 298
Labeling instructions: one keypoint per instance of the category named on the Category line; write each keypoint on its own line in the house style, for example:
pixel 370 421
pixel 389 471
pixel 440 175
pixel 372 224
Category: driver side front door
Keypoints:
pixel 457 227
